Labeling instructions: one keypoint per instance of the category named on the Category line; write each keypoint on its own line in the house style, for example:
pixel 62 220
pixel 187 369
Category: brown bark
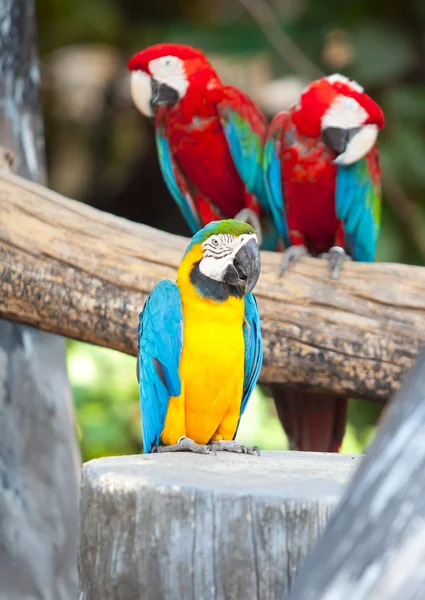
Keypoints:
pixel 71 269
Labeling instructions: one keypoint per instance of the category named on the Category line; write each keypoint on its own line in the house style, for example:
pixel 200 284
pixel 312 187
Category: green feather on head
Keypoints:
pixel 229 226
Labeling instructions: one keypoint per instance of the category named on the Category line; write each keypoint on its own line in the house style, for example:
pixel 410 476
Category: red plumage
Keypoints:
pixel 307 170
pixel 194 130
pixel 308 180
pixel 313 423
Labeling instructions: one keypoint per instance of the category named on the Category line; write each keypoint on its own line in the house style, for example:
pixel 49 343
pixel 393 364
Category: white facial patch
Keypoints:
pixel 219 252
pixel 337 78
pixel 358 146
pixel 170 70
pixel 141 92
pixel 344 113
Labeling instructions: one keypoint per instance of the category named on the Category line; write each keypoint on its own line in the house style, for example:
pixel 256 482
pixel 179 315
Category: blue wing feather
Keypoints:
pixel 169 168
pixel 160 338
pixel 273 176
pixel 243 123
pixel 358 205
pixel 253 349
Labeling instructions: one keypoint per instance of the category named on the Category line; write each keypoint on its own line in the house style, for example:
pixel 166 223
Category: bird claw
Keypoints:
pixel 184 444
pixel 290 256
pixel 248 216
pixel 335 257
pixel 232 446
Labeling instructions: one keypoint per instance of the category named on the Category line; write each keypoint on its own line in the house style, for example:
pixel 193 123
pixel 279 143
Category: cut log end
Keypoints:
pixel 188 526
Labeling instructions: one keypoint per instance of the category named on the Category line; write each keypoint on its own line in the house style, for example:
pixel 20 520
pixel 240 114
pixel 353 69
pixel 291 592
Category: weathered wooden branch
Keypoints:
pixel 374 546
pixel 68 268
pixel 190 526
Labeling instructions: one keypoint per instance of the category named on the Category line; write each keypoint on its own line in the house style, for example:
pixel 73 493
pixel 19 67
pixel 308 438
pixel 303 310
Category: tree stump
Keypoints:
pixel 183 526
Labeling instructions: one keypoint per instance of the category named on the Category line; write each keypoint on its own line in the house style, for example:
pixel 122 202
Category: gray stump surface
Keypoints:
pixel 183 526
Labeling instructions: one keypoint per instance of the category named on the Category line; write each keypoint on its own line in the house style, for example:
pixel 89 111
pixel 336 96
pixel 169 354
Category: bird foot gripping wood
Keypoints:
pixel 184 444
pixel 335 257
pixel 232 446
pixel 291 255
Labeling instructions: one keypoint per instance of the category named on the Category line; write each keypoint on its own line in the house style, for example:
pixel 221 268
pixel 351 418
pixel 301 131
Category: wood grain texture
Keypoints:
pixel 375 542
pixel 71 269
pixel 167 527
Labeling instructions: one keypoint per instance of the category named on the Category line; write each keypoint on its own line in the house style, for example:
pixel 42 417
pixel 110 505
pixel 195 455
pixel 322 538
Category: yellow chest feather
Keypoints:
pixel 211 369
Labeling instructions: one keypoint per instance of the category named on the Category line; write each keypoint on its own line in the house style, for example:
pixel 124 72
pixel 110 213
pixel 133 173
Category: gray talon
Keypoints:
pixel 232 446
pixel 291 255
pixel 335 257
pixel 254 450
pixel 184 444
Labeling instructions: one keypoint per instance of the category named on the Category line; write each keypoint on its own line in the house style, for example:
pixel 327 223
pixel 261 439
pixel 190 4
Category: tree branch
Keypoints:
pixel 71 269
pixel 288 50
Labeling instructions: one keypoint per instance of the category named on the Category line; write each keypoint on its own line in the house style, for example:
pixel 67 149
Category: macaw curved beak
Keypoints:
pixel 141 92
pixel 350 144
pixel 244 270
pixel 162 94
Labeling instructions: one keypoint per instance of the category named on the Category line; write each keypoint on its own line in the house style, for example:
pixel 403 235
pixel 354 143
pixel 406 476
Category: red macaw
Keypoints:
pixel 322 175
pixel 209 138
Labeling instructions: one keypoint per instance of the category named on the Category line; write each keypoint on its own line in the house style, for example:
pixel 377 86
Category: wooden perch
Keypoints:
pixel 183 526
pixel 71 269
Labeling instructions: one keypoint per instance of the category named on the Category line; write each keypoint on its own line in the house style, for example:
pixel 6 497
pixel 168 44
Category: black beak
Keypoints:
pixel 338 139
pixel 162 94
pixel 245 269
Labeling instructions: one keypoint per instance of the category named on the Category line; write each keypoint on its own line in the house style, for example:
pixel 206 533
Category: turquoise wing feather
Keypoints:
pixel 358 205
pixel 160 337
pixel 175 181
pixel 244 127
pixel 253 349
pixel 273 175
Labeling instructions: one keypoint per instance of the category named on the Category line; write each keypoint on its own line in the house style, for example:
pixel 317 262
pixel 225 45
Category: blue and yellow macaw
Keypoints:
pixel 200 349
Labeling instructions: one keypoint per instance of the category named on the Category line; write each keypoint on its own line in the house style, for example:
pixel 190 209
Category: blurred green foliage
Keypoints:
pixel 379 43
pixel 106 399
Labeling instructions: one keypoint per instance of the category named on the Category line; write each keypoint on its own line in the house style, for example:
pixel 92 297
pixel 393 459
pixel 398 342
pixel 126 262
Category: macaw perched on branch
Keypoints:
pixel 200 349
pixel 322 175
pixel 209 138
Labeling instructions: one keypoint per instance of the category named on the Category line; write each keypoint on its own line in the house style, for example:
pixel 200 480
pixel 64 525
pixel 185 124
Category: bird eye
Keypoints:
pixel 214 241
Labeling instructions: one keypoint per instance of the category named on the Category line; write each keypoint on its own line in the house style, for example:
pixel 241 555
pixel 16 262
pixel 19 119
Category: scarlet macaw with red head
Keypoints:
pixel 322 175
pixel 209 138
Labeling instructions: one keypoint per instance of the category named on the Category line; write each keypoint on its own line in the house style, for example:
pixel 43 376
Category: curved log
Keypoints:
pixel 71 269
